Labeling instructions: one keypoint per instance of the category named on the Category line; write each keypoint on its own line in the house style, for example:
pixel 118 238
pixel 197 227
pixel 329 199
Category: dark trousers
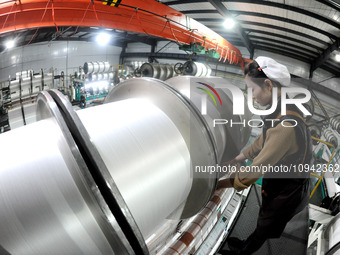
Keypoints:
pixel 253 243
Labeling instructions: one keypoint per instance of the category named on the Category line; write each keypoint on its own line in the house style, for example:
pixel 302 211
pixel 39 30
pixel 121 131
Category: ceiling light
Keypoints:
pixel 337 57
pixel 229 23
pixel 103 39
pixel 10 44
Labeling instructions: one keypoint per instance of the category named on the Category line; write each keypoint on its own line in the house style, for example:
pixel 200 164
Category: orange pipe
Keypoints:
pixel 142 16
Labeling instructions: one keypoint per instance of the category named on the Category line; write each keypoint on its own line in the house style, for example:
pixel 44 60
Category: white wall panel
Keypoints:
pixel 61 56
pixel 138 47
pixel 166 47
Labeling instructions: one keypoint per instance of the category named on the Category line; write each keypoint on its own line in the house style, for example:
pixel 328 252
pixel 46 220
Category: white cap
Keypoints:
pixel 274 70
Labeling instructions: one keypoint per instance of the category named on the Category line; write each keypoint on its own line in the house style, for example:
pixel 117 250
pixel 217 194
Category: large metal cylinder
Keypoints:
pixel 335 123
pixel 49 202
pixel 331 137
pixel 331 235
pixel 156 151
pixel 191 126
pixel 104 179
pixel 158 71
pixel 23 74
pixel 96 67
pixel 196 69
pixel 170 71
pixel 30 86
pixel 22 115
pixel 229 139
pixel 148 70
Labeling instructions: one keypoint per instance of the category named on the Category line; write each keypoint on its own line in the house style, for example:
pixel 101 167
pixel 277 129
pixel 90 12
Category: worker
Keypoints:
pixel 284 194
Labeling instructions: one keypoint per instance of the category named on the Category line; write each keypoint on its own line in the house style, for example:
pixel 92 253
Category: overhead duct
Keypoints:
pixel 102 180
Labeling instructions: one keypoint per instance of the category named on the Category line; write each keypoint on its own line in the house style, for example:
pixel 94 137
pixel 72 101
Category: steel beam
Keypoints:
pixel 293 9
pixel 279 47
pixel 273 17
pixel 279 51
pixel 317 87
pixel 324 56
pixel 283 37
pixel 258 31
pixel 276 28
pixel 226 14
pixel 284 44
pixel 331 4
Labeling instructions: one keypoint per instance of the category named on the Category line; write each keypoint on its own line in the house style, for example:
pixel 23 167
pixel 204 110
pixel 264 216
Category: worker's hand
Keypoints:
pixel 223 184
pixel 232 162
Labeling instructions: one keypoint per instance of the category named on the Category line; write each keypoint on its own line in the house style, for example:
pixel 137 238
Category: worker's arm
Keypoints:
pixel 249 153
pixel 254 149
pixel 228 183
pixel 280 142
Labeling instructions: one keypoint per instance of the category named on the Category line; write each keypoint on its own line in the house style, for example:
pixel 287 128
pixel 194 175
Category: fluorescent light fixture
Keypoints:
pixel 103 39
pixel 229 23
pixel 337 57
pixel 10 44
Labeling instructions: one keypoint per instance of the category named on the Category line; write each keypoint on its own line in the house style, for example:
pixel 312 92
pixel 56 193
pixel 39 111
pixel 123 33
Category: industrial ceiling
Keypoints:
pixel 306 30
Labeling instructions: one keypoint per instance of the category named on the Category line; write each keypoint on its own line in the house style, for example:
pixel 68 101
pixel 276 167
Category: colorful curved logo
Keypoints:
pixel 209 93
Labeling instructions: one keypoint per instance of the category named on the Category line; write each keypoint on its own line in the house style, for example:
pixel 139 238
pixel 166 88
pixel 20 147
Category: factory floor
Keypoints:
pixel 293 240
